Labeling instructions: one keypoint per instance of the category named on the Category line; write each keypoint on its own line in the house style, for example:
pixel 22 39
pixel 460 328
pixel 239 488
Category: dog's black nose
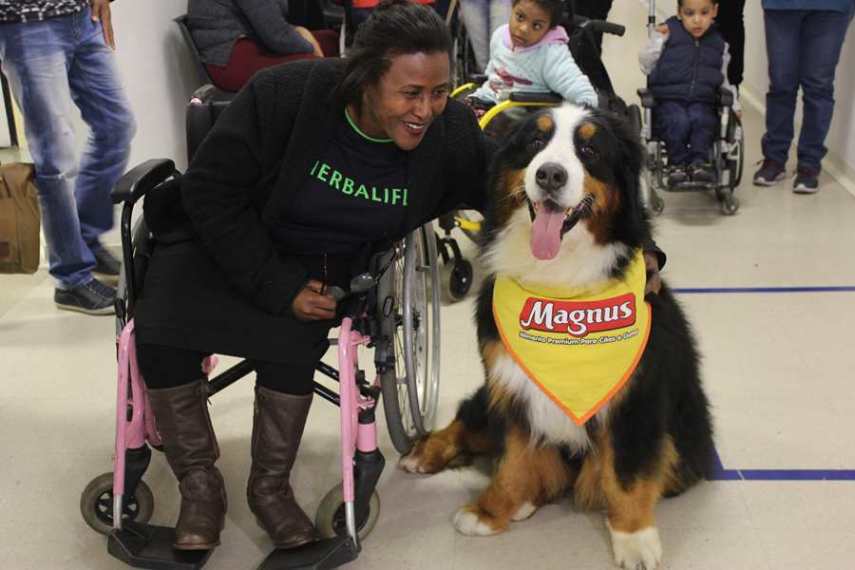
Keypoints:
pixel 551 176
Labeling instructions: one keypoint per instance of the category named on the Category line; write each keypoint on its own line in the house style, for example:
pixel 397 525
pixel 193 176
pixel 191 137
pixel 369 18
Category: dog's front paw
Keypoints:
pixel 640 550
pixel 524 512
pixel 429 455
pixel 472 521
pixel 412 463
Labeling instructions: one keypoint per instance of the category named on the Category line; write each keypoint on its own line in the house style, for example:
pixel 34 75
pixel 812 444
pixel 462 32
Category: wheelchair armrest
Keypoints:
pixel 142 178
pixel 532 97
pixel 725 97
pixel 647 100
pixel 211 94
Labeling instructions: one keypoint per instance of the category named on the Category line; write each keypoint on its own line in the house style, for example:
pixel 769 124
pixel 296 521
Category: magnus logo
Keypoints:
pixel 578 318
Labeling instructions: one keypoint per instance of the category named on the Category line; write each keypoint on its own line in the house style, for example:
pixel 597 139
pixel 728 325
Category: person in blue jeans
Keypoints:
pixel 55 52
pixel 803 43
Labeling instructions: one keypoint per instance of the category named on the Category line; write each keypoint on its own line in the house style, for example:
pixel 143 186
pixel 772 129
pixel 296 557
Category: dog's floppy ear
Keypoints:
pixel 633 228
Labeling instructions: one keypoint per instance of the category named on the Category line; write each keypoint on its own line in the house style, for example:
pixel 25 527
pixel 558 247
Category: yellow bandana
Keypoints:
pixel 579 346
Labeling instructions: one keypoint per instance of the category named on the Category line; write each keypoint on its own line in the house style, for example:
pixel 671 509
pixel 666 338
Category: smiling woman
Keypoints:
pixel 412 93
pixel 310 169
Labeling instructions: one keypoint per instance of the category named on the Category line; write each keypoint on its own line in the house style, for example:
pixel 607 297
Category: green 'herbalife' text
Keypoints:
pixel 347 186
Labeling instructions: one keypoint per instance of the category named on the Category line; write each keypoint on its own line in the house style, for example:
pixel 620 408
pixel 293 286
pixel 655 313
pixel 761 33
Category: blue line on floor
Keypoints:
pixel 707 290
pixel 722 474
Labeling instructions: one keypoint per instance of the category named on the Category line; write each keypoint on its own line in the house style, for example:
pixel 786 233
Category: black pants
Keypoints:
pixel 688 130
pixel 169 367
pixel 731 24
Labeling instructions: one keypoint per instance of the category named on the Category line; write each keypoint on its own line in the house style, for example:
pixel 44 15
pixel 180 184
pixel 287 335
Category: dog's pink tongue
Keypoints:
pixel 546 233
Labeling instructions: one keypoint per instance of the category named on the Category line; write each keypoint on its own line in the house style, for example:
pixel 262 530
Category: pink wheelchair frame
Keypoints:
pixel 135 426
pixel 148 546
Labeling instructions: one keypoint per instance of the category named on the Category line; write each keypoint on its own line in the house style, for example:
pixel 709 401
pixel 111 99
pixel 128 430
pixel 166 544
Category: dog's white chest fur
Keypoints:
pixel 546 419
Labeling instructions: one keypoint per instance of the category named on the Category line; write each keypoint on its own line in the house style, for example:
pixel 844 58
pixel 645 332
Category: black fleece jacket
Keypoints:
pixel 258 154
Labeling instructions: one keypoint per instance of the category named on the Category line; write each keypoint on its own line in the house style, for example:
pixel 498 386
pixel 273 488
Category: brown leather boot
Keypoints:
pixel 277 428
pixel 191 450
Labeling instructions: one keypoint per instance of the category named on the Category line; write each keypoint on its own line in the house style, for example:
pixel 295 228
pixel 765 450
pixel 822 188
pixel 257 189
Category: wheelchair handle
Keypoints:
pixel 599 26
pixel 142 178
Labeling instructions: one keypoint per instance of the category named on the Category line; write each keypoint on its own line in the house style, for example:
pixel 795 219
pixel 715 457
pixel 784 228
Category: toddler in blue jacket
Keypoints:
pixel 686 63
pixel 531 54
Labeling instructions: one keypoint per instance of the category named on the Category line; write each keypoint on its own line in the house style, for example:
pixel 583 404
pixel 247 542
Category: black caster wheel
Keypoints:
pixel 730 205
pixel 330 519
pixel 657 204
pixel 460 280
pixel 96 504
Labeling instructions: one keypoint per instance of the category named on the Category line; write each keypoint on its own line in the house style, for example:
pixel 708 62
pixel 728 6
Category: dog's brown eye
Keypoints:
pixel 588 152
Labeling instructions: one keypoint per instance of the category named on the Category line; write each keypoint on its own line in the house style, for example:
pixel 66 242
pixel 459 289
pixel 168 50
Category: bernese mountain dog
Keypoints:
pixel 591 387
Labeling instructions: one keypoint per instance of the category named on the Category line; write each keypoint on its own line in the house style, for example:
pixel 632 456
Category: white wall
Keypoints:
pixel 158 75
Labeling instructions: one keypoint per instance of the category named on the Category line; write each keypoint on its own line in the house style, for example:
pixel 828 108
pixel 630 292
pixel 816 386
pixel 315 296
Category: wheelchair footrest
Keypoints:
pixel 320 555
pixel 691 187
pixel 148 546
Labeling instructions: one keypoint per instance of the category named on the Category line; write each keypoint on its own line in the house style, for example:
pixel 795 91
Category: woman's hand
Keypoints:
pixel 307 35
pixel 662 29
pixel 312 304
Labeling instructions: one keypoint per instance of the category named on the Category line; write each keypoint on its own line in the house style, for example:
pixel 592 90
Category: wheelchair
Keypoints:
pixel 584 47
pixel 726 156
pixel 392 308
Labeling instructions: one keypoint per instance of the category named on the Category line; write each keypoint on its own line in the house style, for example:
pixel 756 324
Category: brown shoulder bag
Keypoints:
pixel 19 219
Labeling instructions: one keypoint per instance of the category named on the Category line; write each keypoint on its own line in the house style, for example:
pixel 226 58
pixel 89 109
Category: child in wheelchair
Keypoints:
pixel 686 63
pixel 531 54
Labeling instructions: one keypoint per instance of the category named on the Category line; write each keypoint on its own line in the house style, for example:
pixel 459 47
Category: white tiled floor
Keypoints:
pixel 778 368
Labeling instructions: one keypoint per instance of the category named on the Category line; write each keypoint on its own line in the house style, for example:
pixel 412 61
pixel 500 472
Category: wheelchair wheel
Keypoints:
pixel 411 387
pixel 736 164
pixel 634 116
pixel 460 279
pixel 96 504
pixel 330 519
pixel 727 202
pixel 654 201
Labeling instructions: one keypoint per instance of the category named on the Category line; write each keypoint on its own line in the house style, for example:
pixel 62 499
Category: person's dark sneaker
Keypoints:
pixel 702 173
pixel 806 180
pixel 770 173
pixel 92 298
pixel 677 175
pixel 106 266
